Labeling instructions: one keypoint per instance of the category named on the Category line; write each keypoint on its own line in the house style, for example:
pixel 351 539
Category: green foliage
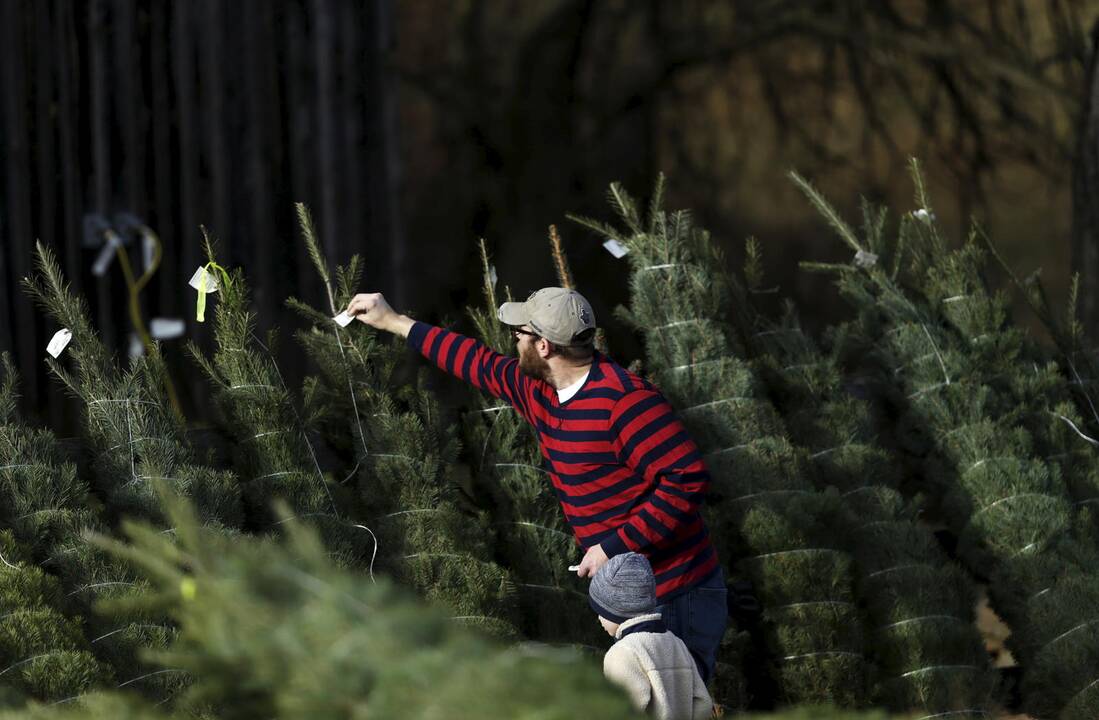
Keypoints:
pixel 134 437
pixel 129 426
pixel 980 405
pixel 402 448
pixel 277 630
pixel 929 657
pixel 532 538
pixel 45 508
pixel 274 455
pixel 763 513
pixel 44 653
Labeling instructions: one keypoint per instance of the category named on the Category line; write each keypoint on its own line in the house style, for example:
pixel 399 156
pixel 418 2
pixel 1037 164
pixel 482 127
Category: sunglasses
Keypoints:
pixel 516 332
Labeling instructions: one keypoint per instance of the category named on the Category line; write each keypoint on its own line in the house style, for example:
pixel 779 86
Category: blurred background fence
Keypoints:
pixel 176 115
pixel 413 128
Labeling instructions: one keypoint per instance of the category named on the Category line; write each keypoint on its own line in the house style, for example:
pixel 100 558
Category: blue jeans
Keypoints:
pixel 698 618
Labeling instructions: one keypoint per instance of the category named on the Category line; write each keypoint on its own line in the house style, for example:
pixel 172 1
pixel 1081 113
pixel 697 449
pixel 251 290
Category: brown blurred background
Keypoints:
pixel 414 128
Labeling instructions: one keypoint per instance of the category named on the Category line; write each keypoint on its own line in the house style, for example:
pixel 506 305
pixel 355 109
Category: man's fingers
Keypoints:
pixel 360 304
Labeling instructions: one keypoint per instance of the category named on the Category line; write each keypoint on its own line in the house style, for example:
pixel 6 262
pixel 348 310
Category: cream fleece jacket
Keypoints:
pixel 658 673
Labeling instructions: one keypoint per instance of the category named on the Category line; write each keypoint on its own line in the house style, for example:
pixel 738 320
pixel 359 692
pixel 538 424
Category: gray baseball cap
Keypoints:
pixel 558 314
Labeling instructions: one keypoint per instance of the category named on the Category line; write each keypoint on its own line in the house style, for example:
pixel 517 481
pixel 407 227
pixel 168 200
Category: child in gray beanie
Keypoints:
pixel 648 661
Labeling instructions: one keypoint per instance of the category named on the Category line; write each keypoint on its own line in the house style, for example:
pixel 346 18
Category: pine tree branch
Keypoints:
pixel 826 209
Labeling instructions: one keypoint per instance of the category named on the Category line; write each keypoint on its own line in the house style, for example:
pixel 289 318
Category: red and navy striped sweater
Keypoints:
pixel 624 468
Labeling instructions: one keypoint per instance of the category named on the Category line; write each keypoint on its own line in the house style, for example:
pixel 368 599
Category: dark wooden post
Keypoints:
pixel 215 74
pixel 326 49
pixel 22 338
pixel 45 128
pixel 162 213
pixel 1085 196
pixel 384 224
pixel 260 142
pixel 101 91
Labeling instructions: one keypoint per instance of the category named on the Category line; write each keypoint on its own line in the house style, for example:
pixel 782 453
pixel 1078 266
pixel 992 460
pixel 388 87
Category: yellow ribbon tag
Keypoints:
pixel 200 313
pixel 187 588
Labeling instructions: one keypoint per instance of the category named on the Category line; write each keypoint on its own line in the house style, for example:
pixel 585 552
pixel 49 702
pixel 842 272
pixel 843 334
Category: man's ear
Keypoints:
pixel 545 348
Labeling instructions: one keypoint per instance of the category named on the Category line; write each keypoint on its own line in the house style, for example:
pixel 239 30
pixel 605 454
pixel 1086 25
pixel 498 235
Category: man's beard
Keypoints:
pixel 533 365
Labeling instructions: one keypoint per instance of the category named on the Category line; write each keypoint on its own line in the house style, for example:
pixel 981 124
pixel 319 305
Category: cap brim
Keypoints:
pixel 513 313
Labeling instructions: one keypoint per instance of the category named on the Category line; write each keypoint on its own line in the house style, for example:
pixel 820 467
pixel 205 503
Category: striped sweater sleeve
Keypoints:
pixel 652 442
pixel 473 361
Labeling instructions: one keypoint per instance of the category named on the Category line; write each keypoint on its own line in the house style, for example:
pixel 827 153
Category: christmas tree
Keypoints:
pixel 767 519
pixel 928 654
pixel 533 539
pixel 134 437
pixel 952 369
pixel 273 453
pixel 129 426
pixel 44 652
pixel 277 630
pixel 403 448
pixel 274 628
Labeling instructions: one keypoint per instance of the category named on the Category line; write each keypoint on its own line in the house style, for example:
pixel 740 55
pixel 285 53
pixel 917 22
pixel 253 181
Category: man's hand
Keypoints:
pixel 373 310
pixel 593 560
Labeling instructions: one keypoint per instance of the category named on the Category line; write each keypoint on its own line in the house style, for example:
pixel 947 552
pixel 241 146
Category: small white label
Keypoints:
pixel 148 251
pixel 492 278
pixel 865 259
pixel 923 215
pixel 106 255
pixel 166 328
pixel 137 349
pixel 343 319
pixel 574 568
pixel 616 248
pixel 60 339
pixel 211 281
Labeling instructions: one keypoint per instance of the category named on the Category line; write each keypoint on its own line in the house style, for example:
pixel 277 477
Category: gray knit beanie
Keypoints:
pixel 624 587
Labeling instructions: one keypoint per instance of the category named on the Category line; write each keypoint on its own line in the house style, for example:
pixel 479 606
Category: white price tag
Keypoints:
pixel 60 339
pixel 573 568
pixel 616 248
pixel 211 281
pixel 103 259
pixel 137 348
pixel 166 328
pixel 148 251
pixel 865 259
pixel 343 319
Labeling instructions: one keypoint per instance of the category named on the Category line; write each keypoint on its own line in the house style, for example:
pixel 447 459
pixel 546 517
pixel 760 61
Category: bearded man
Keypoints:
pixel 628 475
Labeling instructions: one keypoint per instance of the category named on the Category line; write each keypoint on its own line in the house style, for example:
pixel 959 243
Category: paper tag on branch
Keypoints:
pixel 103 259
pixel 211 282
pixel 166 328
pixel 573 568
pixel 204 281
pixel 865 259
pixel 148 251
pixel 924 216
pixel 616 248
pixel 137 348
pixel 492 278
pixel 60 339
pixel 343 319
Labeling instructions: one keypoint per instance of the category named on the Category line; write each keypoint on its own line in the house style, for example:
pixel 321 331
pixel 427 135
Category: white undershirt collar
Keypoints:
pixel 564 394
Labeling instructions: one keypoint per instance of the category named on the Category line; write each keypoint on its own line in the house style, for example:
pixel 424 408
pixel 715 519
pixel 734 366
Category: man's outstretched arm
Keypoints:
pixel 463 357
pixel 373 310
